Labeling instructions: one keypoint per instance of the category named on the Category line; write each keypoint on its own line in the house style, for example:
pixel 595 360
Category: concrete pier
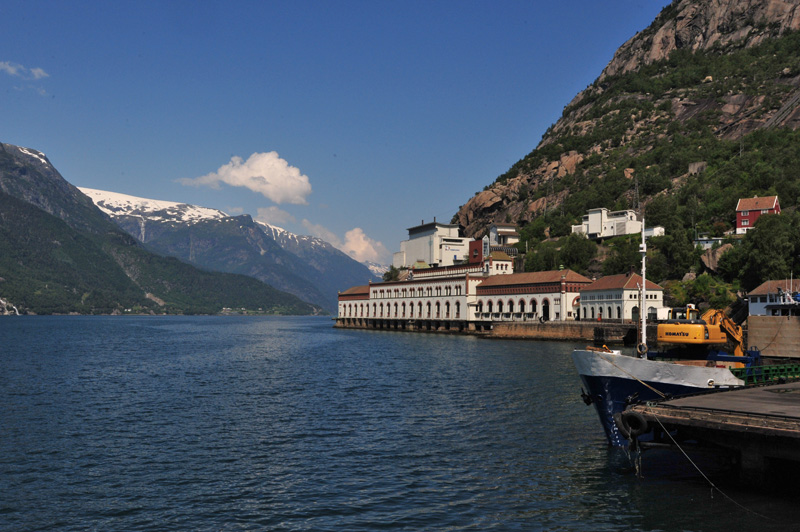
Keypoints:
pixel 759 425
pixel 592 332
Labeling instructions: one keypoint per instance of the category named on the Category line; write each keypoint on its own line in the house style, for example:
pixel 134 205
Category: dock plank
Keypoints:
pixel 773 400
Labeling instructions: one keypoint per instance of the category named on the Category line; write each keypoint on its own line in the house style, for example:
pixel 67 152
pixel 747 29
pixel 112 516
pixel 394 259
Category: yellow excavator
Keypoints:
pixel 687 327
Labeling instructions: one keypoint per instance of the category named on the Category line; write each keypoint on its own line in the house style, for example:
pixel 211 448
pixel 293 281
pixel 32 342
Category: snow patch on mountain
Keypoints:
pixel 35 154
pixel 377 269
pixel 116 204
pixel 282 236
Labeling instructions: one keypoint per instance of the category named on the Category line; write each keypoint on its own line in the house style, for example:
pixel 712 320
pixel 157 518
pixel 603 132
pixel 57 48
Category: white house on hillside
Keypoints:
pixel 775 298
pixel 503 235
pixel 601 223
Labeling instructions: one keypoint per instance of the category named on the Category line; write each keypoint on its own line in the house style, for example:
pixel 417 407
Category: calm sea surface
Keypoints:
pixel 236 423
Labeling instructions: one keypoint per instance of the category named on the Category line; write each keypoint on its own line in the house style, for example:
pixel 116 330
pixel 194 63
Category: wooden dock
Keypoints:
pixel 759 425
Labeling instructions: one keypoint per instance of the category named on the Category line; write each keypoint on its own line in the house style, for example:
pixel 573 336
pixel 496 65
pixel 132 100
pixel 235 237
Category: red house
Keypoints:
pixel 749 209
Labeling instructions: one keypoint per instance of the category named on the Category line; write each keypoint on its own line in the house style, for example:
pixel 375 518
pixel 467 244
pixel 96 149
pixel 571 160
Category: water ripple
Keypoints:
pixel 286 424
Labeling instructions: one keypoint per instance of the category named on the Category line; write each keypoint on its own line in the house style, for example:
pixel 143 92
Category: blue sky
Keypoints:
pixel 348 120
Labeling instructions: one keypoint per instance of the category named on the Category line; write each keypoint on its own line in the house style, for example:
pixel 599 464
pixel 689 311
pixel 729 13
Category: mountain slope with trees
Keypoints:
pixel 696 111
pixel 60 254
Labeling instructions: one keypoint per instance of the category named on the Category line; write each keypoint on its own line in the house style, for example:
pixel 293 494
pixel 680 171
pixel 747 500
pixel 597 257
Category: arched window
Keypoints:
pixel 510 306
pixel 447 310
pixel 500 307
pixel 458 309
pixel 534 307
pixel 489 307
pixel 429 310
pixel 522 306
pixel 395 310
pixel 438 309
pixel 619 313
pixel 480 307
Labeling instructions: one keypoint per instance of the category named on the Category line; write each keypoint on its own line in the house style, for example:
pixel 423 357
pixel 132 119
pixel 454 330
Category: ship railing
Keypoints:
pixel 767 374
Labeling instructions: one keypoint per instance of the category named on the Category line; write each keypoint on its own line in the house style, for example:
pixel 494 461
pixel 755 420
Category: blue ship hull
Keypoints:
pixel 609 396
pixel 611 378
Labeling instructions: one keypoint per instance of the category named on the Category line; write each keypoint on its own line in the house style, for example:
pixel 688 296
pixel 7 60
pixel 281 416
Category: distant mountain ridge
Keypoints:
pixel 305 266
pixel 61 254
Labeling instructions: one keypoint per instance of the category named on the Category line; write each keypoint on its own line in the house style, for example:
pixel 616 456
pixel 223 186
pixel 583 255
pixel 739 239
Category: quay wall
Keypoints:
pixel 775 336
pixel 585 331
pixel 579 331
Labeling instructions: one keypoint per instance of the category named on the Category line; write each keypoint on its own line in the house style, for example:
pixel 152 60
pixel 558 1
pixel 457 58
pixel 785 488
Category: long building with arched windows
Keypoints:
pixel 468 296
pixel 544 296
pixel 482 289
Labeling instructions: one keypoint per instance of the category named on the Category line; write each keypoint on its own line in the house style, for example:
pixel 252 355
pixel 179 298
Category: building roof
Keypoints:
pixel 356 291
pixel 771 287
pixel 625 281
pixel 500 255
pixel 548 277
pixel 757 204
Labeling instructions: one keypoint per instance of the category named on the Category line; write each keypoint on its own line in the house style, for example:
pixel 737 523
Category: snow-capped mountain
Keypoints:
pixel 305 266
pixel 376 268
pixel 114 203
pixel 63 255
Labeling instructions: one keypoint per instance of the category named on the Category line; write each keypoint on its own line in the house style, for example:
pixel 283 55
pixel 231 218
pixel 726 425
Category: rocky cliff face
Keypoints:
pixel 628 110
pixel 704 25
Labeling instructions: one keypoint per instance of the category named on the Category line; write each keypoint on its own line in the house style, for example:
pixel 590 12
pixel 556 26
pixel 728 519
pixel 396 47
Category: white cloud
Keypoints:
pixel 10 68
pixel 356 243
pixel 265 173
pixel 361 247
pixel 19 71
pixel 274 216
pixel 38 73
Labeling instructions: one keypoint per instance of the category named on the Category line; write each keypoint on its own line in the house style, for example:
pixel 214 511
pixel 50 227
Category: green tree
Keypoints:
pixel 544 257
pixel 769 249
pixel 624 255
pixel 392 274
pixel 577 252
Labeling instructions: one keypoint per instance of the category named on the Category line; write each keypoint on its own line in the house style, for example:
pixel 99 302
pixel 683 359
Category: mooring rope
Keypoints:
pixel 713 486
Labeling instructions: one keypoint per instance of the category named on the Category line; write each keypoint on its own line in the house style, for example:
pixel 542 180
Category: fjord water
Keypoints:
pixel 242 423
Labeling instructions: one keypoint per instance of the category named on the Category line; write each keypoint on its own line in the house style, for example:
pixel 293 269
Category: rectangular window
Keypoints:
pixel 745 222
pixel 745 213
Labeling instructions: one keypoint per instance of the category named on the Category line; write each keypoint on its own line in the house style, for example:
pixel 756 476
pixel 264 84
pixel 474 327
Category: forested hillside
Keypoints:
pixel 698 110
pixel 60 254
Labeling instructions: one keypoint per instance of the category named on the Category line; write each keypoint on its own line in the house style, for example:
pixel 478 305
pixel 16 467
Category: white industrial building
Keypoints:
pixel 434 243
